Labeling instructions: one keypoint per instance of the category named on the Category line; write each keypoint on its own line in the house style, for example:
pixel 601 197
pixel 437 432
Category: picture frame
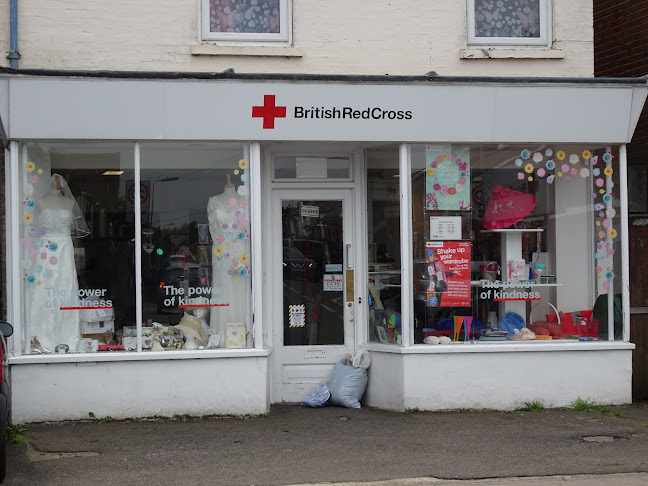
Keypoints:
pixel 203 234
pixel 381 333
pixel 235 335
pixel 214 341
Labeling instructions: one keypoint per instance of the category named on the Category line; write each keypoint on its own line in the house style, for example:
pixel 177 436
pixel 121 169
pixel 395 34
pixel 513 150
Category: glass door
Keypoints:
pixel 313 324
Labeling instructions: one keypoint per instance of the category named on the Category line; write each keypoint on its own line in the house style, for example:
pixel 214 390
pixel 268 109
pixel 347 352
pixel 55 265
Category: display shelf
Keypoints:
pixel 511 249
pixel 477 283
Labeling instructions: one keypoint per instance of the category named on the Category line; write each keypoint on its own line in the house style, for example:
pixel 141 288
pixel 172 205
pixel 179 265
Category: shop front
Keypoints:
pixel 212 244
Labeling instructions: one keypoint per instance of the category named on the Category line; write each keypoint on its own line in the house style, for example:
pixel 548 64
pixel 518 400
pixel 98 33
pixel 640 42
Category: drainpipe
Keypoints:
pixel 13 55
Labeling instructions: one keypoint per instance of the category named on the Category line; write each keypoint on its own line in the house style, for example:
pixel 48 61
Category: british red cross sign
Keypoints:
pixel 269 111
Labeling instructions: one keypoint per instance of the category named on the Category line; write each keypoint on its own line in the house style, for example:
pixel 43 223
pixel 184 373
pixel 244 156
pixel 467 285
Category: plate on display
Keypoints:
pixel 510 321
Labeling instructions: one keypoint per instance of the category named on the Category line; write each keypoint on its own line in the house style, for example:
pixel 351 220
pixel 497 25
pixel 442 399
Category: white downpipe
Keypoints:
pixel 625 245
pixel 138 247
pixel 405 183
pixel 256 216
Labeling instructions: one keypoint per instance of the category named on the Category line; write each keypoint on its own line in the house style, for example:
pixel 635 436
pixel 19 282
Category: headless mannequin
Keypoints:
pixel 226 213
pixel 55 320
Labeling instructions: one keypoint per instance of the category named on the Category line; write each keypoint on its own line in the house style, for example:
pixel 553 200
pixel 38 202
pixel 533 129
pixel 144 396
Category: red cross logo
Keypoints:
pixel 269 111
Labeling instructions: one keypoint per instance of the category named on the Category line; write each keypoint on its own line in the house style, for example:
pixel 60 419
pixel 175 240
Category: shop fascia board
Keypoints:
pixel 453 109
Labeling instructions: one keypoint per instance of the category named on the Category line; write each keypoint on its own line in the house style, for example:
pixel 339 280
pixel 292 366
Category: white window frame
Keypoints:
pixel 283 37
pixel 543 41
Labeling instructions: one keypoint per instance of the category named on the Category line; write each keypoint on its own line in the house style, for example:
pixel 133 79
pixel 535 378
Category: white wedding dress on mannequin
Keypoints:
pixel 229 228
pixel 53 319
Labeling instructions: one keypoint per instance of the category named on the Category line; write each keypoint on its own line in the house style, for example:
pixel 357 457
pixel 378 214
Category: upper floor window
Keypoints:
pixel 509 22
pixel 245 21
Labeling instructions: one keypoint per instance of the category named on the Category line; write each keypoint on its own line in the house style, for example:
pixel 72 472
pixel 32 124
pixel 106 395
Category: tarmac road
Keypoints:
pixel 295 445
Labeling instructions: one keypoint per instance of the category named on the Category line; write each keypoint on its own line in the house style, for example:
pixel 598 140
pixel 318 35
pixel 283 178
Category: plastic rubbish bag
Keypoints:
pixel 362 359
pixel 319 397
pixel 347 384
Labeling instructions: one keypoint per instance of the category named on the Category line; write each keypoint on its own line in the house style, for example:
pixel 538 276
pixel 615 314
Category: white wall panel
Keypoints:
pixel 495 380
pixel 132 389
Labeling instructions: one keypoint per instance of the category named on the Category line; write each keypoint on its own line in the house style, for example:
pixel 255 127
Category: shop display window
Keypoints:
pixel 515 242
pixel 384 252
pixel 77 239
pixel 76 235
pixel 196 279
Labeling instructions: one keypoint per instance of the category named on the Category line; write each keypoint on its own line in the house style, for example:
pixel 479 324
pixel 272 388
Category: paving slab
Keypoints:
pixel 296 445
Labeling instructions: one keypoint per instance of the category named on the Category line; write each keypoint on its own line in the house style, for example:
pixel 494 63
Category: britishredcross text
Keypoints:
pixel 349 113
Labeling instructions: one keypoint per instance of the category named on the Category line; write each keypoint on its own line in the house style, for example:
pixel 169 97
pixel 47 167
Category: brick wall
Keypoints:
pixel 336 36
pixel 3 249
pixel 621 49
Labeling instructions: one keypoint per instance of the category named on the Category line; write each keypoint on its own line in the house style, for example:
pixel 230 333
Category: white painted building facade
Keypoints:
pixel 301 212
pixel 334 37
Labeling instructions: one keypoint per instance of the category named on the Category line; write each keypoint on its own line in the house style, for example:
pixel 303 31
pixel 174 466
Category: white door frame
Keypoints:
pixel 272 308
pixel 298 369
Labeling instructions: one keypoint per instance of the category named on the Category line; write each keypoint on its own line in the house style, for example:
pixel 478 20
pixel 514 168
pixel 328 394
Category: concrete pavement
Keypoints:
pixel 295 445
pixel 632 479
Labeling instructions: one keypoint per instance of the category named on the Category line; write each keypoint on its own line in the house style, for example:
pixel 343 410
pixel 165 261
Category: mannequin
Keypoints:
pixel 229 229
pixel 200 313
pixel 59 220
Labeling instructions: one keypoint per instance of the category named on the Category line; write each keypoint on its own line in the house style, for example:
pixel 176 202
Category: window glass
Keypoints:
pixel 507 18
pixel 239 16
pixel 303 168
pixel 515 236
pixel 246 20
pixel 313 257
pixel 509 22
pixel 76 233
pixel 637 195
pixel 384 255
pixel 196 284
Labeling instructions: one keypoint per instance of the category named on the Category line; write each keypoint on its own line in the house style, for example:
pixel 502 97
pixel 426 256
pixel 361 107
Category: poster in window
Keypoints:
pixel 296 315
pixel 447 179
pixel 448 271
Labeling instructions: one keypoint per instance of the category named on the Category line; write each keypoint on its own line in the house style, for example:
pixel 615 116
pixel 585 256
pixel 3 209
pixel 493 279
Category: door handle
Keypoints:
pixel 348 247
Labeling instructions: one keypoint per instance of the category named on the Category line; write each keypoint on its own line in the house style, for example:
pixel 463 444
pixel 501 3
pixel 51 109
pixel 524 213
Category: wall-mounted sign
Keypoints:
pixel 333 282
pixel 448 273
pixel 333 267
pixel 310 211
pixel 296 315
pixel 445 228
pixel 447 178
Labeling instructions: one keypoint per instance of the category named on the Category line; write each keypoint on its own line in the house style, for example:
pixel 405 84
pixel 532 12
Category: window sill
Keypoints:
pixel 502 347
pixel 258 51
pixel 510 53
pixel 133 356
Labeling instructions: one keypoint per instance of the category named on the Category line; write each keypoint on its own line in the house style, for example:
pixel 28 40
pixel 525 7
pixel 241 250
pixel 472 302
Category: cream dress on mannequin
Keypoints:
pixel 59 288
pixel 229 228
